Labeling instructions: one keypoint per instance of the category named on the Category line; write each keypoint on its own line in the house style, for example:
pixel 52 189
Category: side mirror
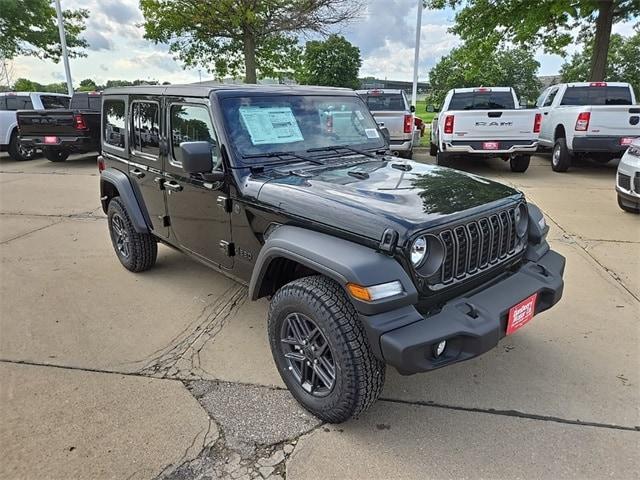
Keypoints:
pixel 195 157
pixel 385 134
pixel 412 108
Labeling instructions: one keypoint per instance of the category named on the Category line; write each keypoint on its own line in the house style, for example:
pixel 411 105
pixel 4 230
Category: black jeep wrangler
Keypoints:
pixel 367 259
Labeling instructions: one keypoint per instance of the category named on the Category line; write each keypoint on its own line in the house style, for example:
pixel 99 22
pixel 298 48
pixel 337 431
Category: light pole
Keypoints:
pixel 63 44
pixel 416 58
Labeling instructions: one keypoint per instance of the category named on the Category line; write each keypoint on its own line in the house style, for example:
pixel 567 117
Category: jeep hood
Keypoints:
pixel 370 197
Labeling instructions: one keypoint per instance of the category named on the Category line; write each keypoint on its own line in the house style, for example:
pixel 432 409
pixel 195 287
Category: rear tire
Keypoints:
pixel 519 163
pixel 136 251
pixel 560 156
pixel 433 150
pixel 56 154
pixel 406 154
pixel 18 152
pixel 313 327
pixel 443 159
pixel 627 208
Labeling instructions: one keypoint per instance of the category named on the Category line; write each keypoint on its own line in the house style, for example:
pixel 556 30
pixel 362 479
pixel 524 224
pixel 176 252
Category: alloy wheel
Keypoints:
pixel 121 236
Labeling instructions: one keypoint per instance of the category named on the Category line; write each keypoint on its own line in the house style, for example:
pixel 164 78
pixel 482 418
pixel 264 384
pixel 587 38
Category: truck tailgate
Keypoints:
pixel 492 124
pixel 614 120
pixel 393 120
pixel 46 122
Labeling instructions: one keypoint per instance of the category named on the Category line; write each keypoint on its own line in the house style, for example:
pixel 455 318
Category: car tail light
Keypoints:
pixel 537 123
pixel 448 124
pixel 408 123
pixel 101 165
pixel 582 124
pixel 79 122
pixel 598 84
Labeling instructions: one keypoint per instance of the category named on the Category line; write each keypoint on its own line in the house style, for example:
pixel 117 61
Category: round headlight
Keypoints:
pixel 521 218
pixel 419 250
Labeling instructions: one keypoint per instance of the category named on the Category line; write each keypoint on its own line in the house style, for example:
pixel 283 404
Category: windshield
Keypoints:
pixel 597 96
pixel 264 125
pixel 482 101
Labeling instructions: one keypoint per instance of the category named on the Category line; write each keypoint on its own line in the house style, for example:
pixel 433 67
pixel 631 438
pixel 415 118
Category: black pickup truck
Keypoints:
pixel 366 259
pixel 62 132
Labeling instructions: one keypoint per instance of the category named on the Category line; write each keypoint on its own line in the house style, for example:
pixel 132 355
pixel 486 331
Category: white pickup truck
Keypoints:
pixel 485 122
pixel 10 102
pixel 598 120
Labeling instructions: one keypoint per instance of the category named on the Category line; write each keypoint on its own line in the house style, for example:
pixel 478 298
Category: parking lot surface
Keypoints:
pixel 109 374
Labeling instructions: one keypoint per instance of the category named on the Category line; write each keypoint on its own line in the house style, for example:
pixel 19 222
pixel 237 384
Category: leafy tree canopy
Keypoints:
pixel 86 85
pixel 228 37
pixel 551 24
pixel 515 67
pixel 333 62
pixel 623 65
pixel 30 27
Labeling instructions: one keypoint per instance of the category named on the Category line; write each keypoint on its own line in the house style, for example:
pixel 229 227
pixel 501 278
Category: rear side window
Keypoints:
pixel 85 101
pixel 145 128
pixel 597 96
pixel 550 98
pixel 51 102
pixel 19 102
pixel 385 101
pixel 191 123
pixel 113 117
pixel 482 101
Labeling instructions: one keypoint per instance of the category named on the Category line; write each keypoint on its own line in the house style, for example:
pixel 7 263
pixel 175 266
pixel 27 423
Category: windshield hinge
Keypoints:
pixel 224 203
pixel 228 248
pixel 389 241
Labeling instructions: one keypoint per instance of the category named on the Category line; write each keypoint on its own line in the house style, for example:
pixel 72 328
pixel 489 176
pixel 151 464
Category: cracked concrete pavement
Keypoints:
pixel 168 374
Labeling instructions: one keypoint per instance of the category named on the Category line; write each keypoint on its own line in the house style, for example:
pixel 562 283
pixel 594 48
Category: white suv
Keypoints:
pixel 628 179
pixel 10 102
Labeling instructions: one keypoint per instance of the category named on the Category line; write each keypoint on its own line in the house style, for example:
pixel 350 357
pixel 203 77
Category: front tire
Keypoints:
pixel 560 156
pixel 519 163
pixel 321 351
pixel 136 251
pixel 56 154
pixel 18 152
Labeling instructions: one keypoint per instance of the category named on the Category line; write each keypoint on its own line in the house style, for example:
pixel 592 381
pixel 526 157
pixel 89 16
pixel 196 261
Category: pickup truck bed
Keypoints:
pixel 62 132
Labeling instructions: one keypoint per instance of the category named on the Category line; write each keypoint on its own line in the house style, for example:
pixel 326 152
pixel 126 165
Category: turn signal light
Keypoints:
pixel 375 292
pixel 582 124
pixel 537 123
pixel 448 123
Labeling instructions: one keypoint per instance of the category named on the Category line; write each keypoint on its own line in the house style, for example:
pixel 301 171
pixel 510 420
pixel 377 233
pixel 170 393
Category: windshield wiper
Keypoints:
pixel 337 148
pixel 281 156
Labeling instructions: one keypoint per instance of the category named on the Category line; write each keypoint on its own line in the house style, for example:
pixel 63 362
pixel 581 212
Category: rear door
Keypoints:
pixel 200 222
pixel 548 125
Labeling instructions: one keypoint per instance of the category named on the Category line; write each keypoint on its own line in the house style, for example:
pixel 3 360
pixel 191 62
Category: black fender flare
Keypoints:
pixel 136 210
pixel 339 259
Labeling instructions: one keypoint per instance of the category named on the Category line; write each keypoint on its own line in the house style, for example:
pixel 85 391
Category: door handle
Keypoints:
pixel 173 186
pixel 137 173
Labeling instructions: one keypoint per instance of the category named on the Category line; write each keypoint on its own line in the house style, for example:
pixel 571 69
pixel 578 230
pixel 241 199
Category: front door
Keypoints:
pixel 547 129
pixel 196 207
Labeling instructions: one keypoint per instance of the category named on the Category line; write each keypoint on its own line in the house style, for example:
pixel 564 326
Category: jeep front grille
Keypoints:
pixel 624 181
pixel 478 245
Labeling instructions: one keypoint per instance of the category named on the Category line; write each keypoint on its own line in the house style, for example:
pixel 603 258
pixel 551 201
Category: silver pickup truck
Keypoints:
pixel 391 109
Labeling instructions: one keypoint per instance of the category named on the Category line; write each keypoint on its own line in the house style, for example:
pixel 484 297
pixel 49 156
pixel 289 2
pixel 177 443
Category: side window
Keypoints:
pixel 145 131
pixel 191 123
pixel 50 102
pixel 113 115
pixel 19 102
pixel 540 99
pixel 550 98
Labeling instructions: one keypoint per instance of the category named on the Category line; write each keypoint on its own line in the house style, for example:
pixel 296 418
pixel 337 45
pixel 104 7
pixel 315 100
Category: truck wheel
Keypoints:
pixel 443 159
pixel 519 163
pixel 627 208
pixel 321 350
pixel 433 150
pixel 56 154
pixel 560 156
pixel 18 152
pixel 136 251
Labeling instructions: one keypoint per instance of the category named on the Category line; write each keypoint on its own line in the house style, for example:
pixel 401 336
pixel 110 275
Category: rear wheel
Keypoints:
pixel 443 159
pixel 136 251
pixel 19 152
pixel 321 350
pixel 433 149
pixel 406 154
pixel 519 163
pixel 56 154
pixel 560 156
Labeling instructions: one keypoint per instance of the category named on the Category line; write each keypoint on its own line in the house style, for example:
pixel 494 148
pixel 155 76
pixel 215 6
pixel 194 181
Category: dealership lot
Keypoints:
pixel 107 374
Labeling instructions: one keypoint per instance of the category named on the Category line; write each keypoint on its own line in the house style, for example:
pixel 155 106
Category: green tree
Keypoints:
pixel 30 27
pixel 333 62
pixel 515 67
pixel 623 65
pixel 88 85
pixel 230 36
pixel 26 85
pixel 550 24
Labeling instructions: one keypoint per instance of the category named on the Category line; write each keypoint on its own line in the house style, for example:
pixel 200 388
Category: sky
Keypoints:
pixel 385 34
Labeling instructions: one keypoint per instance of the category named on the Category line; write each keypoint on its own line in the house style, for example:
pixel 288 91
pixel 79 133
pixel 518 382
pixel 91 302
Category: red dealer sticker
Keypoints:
pixel 521 314
pixel 626 141
pixel 490 145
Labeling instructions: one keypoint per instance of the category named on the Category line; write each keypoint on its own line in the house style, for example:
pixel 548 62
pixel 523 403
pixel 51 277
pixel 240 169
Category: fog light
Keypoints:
pixel 439 350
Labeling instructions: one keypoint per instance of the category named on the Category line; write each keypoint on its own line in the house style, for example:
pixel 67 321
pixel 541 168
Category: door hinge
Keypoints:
pixel 228 248
pixel 224 203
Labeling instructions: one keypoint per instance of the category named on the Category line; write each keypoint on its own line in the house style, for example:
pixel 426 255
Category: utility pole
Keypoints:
pixel 63 44
pixel 416 59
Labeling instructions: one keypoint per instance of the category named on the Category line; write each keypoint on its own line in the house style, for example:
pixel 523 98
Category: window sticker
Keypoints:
pixel 371 132
pixel 271 125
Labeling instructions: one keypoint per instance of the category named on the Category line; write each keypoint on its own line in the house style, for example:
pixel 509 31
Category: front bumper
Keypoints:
pixel 471 324
pixel 475 147
pixel 603 144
